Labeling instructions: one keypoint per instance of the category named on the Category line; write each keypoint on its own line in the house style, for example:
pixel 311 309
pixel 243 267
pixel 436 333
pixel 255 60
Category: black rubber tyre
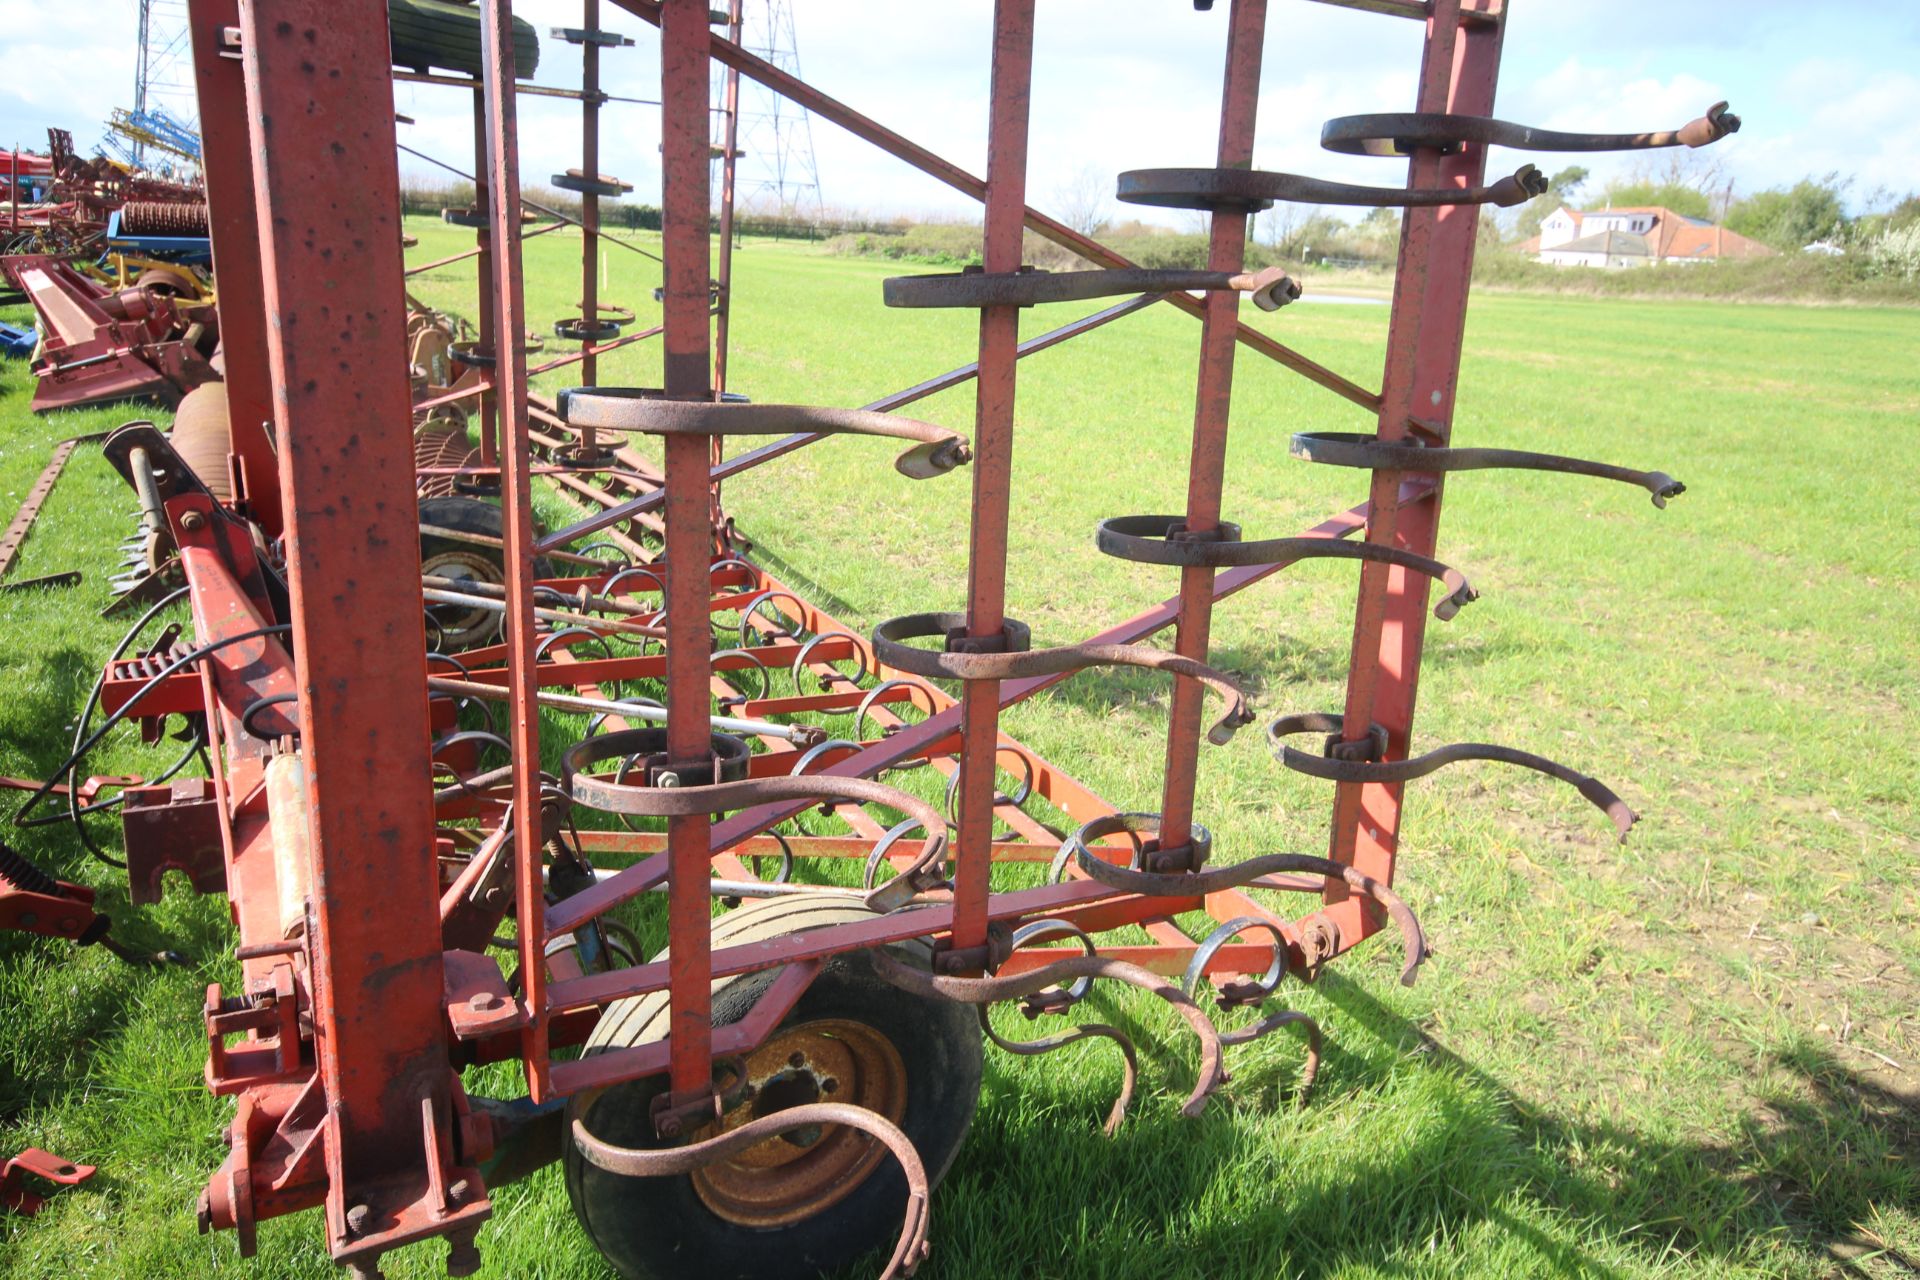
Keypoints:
pixel 665 1228
pixel 435 33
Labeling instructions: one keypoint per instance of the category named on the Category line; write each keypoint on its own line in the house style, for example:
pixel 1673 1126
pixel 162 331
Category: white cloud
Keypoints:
pixel 1858 123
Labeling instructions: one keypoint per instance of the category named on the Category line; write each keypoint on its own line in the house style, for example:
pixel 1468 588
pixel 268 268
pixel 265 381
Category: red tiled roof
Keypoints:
pixel 1685 240
pixel 1673 236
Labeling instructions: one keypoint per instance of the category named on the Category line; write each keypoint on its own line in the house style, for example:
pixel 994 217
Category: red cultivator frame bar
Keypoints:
pixel 766 1091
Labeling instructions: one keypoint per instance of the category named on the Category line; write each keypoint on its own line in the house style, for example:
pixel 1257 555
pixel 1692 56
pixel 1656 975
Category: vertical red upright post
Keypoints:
pixel 1006 202
pixel 729 171
pixel 508 304
pixel 1213 398
pixel 685 139
pixel 327 193
pixel 589 205
pixel 233 225
pixel 1458 74
pixel 489 421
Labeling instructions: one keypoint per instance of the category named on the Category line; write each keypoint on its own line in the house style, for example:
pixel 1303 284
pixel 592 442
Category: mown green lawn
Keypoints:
pixel 1696 1055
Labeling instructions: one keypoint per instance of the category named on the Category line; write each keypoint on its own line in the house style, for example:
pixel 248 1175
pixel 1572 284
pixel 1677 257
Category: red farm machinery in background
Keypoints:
pixel 384 641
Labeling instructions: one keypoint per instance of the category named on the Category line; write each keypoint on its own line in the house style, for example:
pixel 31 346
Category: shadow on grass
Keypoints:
pixel 1265 674
pixel 1811 1161
pixel 1466 1165
pixel 40 712
pixel 803 583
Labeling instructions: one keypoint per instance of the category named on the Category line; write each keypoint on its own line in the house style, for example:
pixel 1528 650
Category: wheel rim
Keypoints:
pixel 463 626
pixel 792 1177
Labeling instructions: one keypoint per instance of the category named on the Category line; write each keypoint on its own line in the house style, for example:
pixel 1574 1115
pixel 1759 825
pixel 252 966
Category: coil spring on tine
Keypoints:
pixel 833 675
pixel 766 676
pixel 733 562
pixel 1265 985
pixel 1059 1000
pixel 1135 822
pixel 572 635
pixel 1255 993
pixel 466 673
pixel 877 856
pixel 1017 800
pixel 780 628
pixel 476 737
pixel 866 706
pixel 620 565
pixel 1055 998
pixel 813 753
pixel 611 588
pixel 785 871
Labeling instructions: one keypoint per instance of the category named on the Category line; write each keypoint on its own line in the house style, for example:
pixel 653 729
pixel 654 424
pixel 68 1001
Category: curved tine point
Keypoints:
pixel 933 458
pixel 1526 183
pixel 1272 1023
pixel 673 1161
pixel 1212 1073
pixel 1338 768
pixel 1274 289
pixel 1129 1058
pixel 1716 124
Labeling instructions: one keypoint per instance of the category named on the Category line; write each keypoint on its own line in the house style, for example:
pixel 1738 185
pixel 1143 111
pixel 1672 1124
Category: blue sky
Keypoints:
pixel 1822 86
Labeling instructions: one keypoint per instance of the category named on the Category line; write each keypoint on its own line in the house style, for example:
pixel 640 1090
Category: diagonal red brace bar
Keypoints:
pixel 728 54
pixel 907 743
pixel 886 404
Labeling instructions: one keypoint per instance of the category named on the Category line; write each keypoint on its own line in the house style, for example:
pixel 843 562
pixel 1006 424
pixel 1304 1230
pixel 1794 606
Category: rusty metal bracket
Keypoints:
pixel 33 1162
pixel 1335 769
pixel 175 827
pixel 270 1011
pixel 889 645
pixel 1271 288
pixel 1251 190
pixel 1401 133
pixel 1359 449
pixel 985 958
pixel 1165 540
pixel 644 409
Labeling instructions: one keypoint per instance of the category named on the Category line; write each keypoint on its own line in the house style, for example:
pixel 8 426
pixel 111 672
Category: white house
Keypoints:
pixel 1640 236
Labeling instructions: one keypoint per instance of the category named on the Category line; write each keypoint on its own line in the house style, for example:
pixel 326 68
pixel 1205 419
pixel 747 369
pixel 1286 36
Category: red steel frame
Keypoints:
pixel 373 1123
pixel 1459 72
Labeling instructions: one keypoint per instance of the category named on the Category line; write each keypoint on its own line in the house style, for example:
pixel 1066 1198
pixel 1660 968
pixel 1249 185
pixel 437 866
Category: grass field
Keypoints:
pixel 1697 1055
